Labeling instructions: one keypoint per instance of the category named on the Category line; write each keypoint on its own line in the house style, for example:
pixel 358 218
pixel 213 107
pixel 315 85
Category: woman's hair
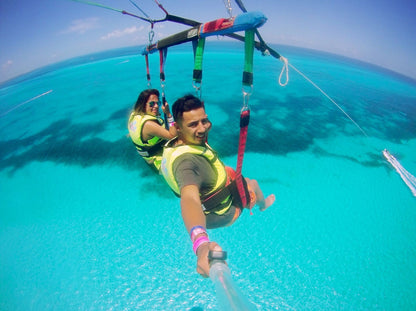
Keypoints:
pixel 186 103
pixel 140 106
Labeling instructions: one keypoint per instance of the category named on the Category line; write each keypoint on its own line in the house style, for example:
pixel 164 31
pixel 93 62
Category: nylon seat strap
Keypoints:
pixel 245 111
pixel 149 83
pixel 199 46
pixel 162 59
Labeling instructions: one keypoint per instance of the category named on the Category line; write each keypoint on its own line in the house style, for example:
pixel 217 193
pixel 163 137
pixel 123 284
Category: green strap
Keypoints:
pixel 199 52
pixel 248 61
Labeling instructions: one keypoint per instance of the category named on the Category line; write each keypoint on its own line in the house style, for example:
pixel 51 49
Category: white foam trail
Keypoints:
pixel 408 178
pixel 25 102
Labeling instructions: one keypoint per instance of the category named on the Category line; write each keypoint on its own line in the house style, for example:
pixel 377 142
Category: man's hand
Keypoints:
pixel 203 262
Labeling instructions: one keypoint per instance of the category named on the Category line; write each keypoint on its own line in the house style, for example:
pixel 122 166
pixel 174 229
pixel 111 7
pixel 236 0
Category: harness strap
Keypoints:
pixel 162 59
pixel 216 201
pixel 149 84
pixel 248 57
pixel 198 57
pixel 150 152
pixel 244 121
pixel 245 113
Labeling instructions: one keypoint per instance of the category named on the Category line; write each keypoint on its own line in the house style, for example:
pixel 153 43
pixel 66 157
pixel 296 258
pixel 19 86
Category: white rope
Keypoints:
pixel 227 4
pixel 408 178
pixel 285 68
pixel 327 96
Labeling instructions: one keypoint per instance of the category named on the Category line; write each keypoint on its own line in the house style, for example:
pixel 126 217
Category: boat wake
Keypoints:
pixel 24 103
pixel 408 178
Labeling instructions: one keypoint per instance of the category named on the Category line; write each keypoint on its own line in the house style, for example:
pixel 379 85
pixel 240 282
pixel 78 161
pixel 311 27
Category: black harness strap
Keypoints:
pixel 150 151
pixel 215 201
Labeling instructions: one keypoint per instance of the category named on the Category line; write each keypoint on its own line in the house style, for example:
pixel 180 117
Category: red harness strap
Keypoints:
pixel 147 70
pixel 162 60
pixel 244 121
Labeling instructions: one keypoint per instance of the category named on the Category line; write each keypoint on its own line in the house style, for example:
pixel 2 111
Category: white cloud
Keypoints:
pixel 82 25
pixel 120 33
pixel 7 65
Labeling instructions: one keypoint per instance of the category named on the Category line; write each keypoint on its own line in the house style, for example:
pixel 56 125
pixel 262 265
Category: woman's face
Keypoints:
pixel 152 105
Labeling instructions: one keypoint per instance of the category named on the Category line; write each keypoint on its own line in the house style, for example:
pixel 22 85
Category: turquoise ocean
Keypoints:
pixel 85 225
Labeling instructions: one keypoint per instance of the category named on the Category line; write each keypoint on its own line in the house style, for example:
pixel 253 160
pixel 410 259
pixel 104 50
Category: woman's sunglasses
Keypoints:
pixel 152 103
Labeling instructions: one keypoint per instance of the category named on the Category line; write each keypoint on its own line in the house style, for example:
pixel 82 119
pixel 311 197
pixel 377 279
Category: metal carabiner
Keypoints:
pixel 246 97
pixel 162 85
pixel 197 87
pixel 151 35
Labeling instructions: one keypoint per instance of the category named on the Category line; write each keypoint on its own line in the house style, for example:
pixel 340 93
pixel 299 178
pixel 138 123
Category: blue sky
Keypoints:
pixel 38 33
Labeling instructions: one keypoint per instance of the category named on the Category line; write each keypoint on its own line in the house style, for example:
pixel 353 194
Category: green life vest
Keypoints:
pixel 151 151
pixel 171 153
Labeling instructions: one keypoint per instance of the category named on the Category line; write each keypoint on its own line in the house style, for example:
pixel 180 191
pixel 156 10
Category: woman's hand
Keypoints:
pixel 165 108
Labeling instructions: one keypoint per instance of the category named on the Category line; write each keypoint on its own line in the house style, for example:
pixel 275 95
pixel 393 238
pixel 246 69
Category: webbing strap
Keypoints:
pixel 244 121
pixel 198 57
pixel 245 112
pixel 248 58
pixel 149 84
pixel 150 151
pixel 218 201
pixel 162 59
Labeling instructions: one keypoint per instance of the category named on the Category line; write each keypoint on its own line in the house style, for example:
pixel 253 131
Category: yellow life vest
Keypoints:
pixel 171 153
pixel 151 151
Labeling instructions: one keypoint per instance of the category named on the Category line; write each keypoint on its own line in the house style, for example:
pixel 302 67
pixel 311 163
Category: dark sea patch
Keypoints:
pixel 291 124
pixel 306 120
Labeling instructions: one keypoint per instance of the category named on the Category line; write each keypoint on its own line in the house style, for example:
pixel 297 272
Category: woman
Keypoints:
pixel 147 129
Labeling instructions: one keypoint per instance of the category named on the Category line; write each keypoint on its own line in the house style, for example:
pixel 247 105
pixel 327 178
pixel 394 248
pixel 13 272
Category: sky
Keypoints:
pixel 38 33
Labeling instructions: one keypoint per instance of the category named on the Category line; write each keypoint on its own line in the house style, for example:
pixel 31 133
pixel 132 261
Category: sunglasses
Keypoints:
pixel 152 103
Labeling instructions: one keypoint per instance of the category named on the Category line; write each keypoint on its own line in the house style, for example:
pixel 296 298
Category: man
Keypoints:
pixel 209 195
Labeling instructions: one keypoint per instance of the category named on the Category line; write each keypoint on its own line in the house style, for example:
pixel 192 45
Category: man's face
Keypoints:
pixel 194 127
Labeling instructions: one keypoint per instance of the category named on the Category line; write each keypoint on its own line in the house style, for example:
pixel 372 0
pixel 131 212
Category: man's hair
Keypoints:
pixel 186 103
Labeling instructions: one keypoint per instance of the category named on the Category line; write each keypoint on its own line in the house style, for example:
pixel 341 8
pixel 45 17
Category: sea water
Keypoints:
pixel 85 225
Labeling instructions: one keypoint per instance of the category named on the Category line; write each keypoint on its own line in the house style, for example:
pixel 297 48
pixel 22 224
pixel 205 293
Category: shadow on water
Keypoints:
pixel 73 144
pixel 270 132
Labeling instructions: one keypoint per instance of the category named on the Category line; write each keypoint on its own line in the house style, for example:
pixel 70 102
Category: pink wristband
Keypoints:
pixel 195 231
pixel 199 241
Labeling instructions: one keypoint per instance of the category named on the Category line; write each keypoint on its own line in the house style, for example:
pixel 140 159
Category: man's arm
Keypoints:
pixel 193 215
pixel 191 208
